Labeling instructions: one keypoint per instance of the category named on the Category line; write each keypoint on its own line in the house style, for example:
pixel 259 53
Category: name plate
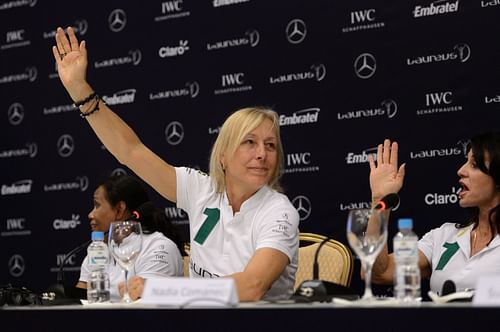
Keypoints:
pixel 186 292
pixel 487 291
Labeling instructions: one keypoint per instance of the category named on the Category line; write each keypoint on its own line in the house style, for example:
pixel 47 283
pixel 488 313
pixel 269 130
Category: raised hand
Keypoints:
pixel 71 58
pixel 385 176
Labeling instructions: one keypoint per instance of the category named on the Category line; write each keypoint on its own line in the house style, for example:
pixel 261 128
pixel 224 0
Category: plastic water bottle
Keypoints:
pixel 407 274
pixel 98 258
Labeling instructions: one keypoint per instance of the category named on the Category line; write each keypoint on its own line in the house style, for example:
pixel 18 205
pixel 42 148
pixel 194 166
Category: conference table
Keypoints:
pixel 258 317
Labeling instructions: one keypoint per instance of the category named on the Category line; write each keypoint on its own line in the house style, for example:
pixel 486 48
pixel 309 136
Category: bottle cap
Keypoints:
pixel 405 223
pixel 97 236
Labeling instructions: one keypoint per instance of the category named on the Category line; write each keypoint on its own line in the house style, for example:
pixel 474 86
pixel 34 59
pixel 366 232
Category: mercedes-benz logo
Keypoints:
pixel 194 88
pixel 296 31
pixel 15 114
pixel 117 20
pixel 463 51
pixel 65 145
pixel 174 132
pixel 365 65
pixel 303 206
pixel 16 265
pixel 253 37
pixel 319 71
pixel 118 172
pixel 391 107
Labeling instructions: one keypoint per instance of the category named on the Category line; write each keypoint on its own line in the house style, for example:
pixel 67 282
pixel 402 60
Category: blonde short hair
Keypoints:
pixel 233 131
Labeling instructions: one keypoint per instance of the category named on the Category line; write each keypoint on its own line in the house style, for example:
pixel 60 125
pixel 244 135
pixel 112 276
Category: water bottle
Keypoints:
pixel 407 272
pixel 98 258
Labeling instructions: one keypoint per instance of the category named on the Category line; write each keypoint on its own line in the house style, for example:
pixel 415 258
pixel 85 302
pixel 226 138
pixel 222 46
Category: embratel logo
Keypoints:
pixel 65 145
pixel 439 102
pixel 117 20
pixel 30 150
pixel 80 27
pixel 15 227
pixel 170 51
pixel 120 97
pixel 304 116
pixel 443 199
pixel 303 206
pixel 490 3
pixel 16 265
pixel 316 72
pixel 171 10
pixel 232 82
pixel 365 65
pixel 460 53
pixel 61 224
pixel 30 74
pixel 190 89
pixel 387 108
pixel 176 215
pixel 134 57
pixel 363 19
pixel 251 39
pixel 354 205
pixel 296 31
pixel 360 158
pixel 17 3
pixel 80 183
pixel 174 133
pixel 439 152
pixel 300 162
pixel 436 8
pixel 15 38
pixel 18 187
pixel 220 3
pixel 15 114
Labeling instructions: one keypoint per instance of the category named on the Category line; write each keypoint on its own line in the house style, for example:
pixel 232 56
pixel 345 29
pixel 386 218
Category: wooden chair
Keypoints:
pixel 335 260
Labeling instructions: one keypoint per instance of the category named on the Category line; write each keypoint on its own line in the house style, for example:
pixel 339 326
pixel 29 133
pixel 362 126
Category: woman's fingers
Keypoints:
pixel 394 154
pixel 60 38
pixel 387 151
pixel 73 40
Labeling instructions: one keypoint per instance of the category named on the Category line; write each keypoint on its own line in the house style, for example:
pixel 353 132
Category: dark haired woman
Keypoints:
pixel 116 198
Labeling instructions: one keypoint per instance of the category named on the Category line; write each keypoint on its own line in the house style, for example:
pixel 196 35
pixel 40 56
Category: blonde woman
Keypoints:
pixel 240 225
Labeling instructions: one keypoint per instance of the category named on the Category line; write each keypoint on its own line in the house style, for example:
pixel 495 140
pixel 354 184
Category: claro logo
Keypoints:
pixel 443 199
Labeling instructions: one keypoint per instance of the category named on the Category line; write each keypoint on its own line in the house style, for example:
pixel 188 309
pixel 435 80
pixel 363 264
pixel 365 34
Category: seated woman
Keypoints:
pixel 460 252
pixel 116 198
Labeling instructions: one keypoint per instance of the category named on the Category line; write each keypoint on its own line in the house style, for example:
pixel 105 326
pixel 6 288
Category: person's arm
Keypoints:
pixel 81 284
pixel 385 178
pixel 113 132
pixel 263 269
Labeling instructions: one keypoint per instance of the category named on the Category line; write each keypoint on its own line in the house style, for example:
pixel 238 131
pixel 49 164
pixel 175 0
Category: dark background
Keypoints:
pixel 445 64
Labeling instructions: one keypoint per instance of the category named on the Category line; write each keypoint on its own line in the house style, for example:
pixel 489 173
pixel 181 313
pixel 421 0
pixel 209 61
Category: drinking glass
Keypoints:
pixel 367 235
pixel 125 242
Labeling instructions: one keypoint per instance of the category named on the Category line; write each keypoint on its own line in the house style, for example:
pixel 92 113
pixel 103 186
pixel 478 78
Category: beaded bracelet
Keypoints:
pixel 84 101
pixel 95 109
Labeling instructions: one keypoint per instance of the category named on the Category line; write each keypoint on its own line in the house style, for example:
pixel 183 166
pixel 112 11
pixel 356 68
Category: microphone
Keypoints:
pixel 58 293
pixel 321 290
pixel 390 201
pixel 448 288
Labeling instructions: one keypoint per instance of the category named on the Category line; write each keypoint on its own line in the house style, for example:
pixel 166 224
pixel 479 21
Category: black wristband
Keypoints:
pixel 86 100
pixel 95 109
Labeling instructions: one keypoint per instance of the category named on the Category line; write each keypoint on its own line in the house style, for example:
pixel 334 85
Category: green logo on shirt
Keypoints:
pixel 213 216
pixel 451 249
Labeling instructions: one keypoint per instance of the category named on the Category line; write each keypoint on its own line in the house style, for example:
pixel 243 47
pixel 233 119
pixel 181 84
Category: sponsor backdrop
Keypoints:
pixel 343 75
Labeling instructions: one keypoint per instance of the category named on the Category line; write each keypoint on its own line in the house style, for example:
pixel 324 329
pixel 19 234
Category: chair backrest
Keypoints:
pixel 187 249
pixel 335 260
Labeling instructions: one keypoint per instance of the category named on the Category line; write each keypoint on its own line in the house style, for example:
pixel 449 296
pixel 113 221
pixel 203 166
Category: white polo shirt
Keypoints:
pixel 159 258
pixel 222 243
pixel 447 248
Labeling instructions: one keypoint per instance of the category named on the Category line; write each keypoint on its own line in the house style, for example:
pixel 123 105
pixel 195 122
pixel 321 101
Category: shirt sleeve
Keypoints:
pixel 426 244
pixel 160 258
pixel 278 229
